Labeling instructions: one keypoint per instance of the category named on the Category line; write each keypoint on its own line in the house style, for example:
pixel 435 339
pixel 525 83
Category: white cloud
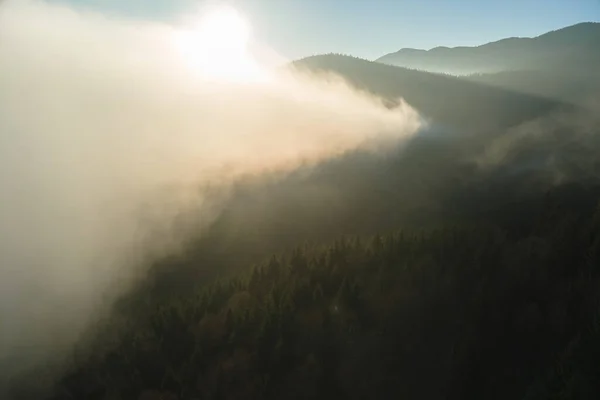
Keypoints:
pixel 97 117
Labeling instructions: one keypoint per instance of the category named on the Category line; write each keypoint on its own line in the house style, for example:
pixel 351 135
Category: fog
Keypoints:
pixel 107 136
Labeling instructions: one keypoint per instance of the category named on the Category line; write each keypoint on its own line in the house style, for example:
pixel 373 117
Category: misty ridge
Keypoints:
pixel 558 65
pixel 130 185
pixel 567 49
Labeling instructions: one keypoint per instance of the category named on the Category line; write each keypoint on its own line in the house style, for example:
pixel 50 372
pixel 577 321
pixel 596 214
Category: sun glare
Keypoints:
pixel 216 46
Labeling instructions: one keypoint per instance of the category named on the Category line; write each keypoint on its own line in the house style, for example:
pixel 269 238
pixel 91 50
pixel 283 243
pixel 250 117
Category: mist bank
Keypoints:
pixel 112 149
pixel 440 177
pixel 509 214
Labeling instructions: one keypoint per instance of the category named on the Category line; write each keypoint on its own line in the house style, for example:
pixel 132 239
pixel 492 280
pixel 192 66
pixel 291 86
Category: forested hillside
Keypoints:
pixel 185 214
pixel 443 269
pixel 459 312
pixel 460 264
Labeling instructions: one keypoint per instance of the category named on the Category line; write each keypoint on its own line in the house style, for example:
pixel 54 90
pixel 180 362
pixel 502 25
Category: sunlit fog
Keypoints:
pixel 216 45
pixel 110 128
pixel 300 199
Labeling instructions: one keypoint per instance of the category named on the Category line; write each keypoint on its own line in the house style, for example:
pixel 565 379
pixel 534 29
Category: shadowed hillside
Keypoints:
pixel 487 288
pixel 579 88
pixel 454 313
pixel 572 48
pixel 456 265
pixel 446 100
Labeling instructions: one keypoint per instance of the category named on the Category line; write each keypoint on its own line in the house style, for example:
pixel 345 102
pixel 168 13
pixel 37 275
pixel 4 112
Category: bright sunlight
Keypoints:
pixel 216 47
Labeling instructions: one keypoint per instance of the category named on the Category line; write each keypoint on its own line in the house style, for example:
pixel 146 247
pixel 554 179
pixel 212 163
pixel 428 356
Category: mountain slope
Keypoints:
pixel 478 311
pixel 573 47
pixel 444 99
pixel 456 313
pixel 577 88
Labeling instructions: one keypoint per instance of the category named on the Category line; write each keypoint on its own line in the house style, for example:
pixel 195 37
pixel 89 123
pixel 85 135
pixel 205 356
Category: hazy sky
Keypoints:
pixel 371 28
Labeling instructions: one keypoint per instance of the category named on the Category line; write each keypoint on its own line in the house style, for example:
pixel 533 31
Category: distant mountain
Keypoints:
pixel 447 100
pixel 574 48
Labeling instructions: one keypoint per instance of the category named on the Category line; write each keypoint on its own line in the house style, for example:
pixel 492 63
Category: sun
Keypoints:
pixel 216 45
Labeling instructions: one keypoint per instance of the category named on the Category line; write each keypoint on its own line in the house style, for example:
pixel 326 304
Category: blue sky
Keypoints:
pixel 371 28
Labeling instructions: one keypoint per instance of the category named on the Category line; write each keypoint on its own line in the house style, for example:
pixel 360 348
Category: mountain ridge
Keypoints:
pixel 511 38
pixel 567 46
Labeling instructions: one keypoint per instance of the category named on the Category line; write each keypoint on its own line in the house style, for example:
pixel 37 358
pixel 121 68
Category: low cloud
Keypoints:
pixel 107 136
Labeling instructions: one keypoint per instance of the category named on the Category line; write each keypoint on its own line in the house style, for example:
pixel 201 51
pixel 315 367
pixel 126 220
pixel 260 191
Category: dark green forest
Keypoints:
pixel 489 311
pixel 462 264
pixel 371 277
